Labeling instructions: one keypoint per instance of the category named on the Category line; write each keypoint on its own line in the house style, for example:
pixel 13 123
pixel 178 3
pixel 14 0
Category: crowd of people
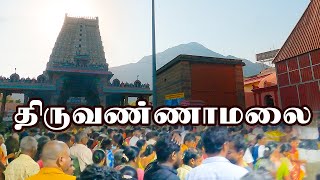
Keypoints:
pixel 154 153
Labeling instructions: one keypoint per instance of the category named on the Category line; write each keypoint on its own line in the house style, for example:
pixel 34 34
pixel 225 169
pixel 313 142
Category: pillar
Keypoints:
pixel 3 105
pixel 276 102
pixel 255 99
pixel 25 99
pixel 260 101
pixel 121 101
pixel 126 100
pixel 103 101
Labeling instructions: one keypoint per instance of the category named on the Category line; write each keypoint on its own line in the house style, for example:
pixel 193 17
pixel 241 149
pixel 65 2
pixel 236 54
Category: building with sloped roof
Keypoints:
pixel 298 62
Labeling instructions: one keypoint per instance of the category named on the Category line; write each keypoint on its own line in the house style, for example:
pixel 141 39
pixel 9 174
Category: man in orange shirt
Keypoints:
pixel 56 161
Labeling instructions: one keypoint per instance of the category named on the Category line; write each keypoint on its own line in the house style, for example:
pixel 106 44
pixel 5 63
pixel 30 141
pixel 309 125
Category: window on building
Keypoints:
pixel 79 45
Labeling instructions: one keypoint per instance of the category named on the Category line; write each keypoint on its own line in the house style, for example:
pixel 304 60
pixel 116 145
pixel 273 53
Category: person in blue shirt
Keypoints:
pixel 106 145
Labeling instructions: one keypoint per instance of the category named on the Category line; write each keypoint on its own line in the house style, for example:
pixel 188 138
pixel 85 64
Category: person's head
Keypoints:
pixel 129 173
pixel 99 157
pixel 168 152
pixel 112 174
pixel 285 148
pixel 23 134
pixel 118 155
pixel 137 132
pixel 190 140
pixel 244 132
pixel 66 138
pixel 150 135
pixel 90 143
pixel 1 139
pixel 51 135
pixel 149 150
pixel 12 144
pixel 103 130
pixel 130 154
pixel 16 136
pixel 82 138
pixel 260 174
pixel 41 142
pixel 294 142
pixel 117 140
pixel 261 139
pixel 200 146
pixel 95 135
pixel 216 141
pixel 142 145
pixel 237 149
pixel 101 137
pixel 111 132
pixel 198 137
pixel 128 132
pixel 29 146
pixel 287 129
pixel 192 158
pixel 34 132
pixel 56 154
pixel 106 144
pixel 92 172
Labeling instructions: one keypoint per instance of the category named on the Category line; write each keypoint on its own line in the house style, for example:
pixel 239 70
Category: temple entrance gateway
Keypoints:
pixel 77 72
pixel 80 86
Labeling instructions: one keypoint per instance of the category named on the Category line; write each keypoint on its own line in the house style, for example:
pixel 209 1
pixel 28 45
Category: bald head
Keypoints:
pixel 53 150
pixel 56 154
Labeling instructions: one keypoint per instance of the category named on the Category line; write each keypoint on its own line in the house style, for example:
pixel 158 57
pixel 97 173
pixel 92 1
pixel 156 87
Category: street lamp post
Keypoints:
pixel 154 65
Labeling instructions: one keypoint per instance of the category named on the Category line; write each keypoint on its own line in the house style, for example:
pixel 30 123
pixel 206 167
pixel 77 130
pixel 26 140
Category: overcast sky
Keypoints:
pixel 29 28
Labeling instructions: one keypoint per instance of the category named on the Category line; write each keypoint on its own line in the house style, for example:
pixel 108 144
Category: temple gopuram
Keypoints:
pixel 77 72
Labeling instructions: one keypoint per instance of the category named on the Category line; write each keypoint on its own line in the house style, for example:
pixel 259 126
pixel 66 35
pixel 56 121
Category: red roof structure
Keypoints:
pixel 305 36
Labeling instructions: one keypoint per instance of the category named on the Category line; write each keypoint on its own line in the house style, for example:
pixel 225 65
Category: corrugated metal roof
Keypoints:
pixel 305 37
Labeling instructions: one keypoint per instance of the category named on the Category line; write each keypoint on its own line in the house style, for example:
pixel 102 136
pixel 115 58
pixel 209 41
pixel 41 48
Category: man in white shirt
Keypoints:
pixel 247 157
pixel 216 166
pixel 136 136
pixel 261 142
pixel 24 166
pixel 81 151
